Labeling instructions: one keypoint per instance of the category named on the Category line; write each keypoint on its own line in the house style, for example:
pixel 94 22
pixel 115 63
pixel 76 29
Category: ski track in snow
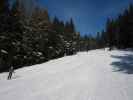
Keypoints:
pixel 85 76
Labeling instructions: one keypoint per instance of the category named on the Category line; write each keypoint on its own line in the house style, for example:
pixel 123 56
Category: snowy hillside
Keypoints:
pixel 96 75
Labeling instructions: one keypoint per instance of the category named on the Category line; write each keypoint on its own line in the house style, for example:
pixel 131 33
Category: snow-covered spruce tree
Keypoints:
pixel 126 28
pixel 16 34
pixel 11 33
pixel 101 39
pixel 39 29
pixel 4 40
pixel 28 39
pixel 119 30
pixel 70 37
pixel 58 27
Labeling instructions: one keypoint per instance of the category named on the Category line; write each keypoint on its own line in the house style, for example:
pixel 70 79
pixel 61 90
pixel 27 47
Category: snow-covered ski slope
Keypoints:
pixel 96 75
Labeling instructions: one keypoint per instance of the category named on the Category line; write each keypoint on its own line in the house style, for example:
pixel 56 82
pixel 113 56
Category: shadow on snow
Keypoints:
pixel 124 64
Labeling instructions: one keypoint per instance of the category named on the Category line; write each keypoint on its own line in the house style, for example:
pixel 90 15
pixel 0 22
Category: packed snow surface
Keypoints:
pixel 93 75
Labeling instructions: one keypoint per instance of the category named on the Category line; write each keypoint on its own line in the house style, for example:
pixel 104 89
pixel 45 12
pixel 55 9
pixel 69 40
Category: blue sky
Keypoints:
pixel 89 15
